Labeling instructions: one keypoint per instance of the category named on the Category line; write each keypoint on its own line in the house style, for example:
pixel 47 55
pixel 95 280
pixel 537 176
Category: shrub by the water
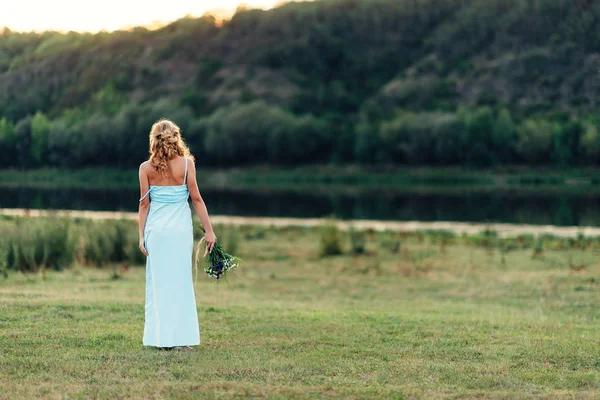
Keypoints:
pixel 112 242
pixel 538 249
pixel 120 242
pixel 4 250
pixel 331 239
pixel 357 240
pixel 390 241
pixel 98 244
pixel 37 244
pixel 232 239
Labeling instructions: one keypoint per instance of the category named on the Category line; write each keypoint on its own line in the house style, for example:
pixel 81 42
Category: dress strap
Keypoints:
pixel 185 174
pixel 145 195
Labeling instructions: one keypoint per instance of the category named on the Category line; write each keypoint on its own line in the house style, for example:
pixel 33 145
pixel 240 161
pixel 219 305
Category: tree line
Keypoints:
pixel 406 82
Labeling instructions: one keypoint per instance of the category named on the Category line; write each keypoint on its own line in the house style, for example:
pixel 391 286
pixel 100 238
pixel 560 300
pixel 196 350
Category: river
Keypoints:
pixel 516 205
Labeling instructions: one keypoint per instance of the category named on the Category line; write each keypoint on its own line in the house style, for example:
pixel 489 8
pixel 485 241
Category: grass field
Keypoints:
pixel 425 320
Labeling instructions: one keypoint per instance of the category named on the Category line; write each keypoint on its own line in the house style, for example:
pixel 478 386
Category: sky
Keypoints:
pixel 97 15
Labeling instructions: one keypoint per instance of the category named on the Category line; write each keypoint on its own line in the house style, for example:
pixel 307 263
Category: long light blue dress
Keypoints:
pixel 171 317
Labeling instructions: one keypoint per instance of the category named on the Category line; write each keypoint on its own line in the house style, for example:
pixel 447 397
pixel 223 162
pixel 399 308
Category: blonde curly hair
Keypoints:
pixel 166 143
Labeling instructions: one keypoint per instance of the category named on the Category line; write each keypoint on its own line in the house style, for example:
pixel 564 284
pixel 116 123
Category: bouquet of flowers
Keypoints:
pixel 219 261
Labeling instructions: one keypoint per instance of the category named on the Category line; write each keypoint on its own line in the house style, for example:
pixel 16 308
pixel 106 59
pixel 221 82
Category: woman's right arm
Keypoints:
pixel 144 207
pixel 200 207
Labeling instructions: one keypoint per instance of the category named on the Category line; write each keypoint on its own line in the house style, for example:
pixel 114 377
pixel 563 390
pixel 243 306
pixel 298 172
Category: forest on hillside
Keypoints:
pixel 385 82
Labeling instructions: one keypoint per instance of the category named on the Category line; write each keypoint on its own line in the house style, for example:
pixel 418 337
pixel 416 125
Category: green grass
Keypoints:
pixel 431 319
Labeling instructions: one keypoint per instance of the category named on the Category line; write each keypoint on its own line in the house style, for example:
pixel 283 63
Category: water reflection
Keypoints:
pixel 512 206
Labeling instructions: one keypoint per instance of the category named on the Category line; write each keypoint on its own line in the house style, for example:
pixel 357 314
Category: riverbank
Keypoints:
pixel 312 175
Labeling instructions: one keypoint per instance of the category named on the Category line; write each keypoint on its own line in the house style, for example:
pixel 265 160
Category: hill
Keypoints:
pixel 418 82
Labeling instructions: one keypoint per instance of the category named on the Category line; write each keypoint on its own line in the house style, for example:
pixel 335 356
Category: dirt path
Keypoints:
pixel 503 230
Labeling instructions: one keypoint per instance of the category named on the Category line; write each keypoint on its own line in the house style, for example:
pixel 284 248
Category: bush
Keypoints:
pixel 331 240
pixel 566 142
pixel 425 138
pixel 357 240
pixel 121 242
pixel 535 141
pixel 44 244
pixel 4 254
pixel 232 239
pixel 8 141
pixel 479 145
pixel 590 143
pixel 40 129
pixel 366 146
pixel 257 132
pixel 100 244
pixel 391 241
pixel 61 249
pixel 34 244
pixel 504 135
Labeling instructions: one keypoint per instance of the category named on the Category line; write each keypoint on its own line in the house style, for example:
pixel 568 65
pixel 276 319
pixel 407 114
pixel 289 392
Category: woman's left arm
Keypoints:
pixel 144 206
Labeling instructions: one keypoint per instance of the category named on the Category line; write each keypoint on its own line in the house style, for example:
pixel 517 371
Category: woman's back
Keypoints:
pixel 174 175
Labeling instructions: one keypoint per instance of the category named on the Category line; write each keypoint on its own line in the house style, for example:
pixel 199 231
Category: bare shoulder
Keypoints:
pixel 145 169
pixel 145 166
pixel 191 164
pixel 187 160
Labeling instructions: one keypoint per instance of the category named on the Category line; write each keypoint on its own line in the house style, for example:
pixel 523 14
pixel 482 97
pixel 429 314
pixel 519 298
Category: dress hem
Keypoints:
pixel 171 345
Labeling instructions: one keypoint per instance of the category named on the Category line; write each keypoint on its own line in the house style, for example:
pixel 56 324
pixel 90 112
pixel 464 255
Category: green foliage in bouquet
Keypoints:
pixel 219 261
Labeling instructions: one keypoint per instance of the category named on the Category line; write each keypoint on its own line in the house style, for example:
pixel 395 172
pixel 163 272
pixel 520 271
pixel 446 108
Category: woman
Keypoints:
pixel 167 179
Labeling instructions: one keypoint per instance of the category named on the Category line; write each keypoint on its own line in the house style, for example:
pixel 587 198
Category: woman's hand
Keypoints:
pixel 210 239
pixel 143 248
